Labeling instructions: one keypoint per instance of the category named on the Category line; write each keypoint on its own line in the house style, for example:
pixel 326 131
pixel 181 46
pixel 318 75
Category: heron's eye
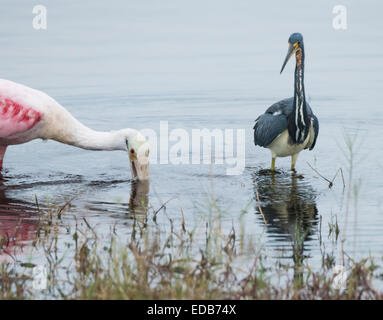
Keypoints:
pixel 132 151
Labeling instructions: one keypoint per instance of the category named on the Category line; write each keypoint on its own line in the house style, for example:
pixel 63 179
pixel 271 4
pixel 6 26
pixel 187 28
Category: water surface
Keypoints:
pixel 200 65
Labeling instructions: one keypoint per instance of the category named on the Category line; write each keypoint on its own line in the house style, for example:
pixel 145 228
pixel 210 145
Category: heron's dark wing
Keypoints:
pixel 267 127
pixel 284 106
pixel 315 122
pixel 272 123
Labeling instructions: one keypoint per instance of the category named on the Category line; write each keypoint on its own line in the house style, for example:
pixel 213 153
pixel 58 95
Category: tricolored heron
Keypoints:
pixel 289 126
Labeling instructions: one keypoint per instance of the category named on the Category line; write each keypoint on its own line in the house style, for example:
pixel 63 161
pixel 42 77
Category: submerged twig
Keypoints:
pixel 341 172
pixel 259 204
pixel 60 211
pixel 162 206
pixel 37 204
pixel 330 182
pixel 90 227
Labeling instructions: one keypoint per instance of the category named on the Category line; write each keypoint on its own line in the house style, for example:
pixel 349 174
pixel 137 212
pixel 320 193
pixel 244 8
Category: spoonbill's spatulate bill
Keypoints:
pixel 289 126
pixel 27 114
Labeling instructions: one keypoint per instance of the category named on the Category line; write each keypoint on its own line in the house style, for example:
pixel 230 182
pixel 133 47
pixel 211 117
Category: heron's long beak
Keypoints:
pixel 290 52
pixel 140 167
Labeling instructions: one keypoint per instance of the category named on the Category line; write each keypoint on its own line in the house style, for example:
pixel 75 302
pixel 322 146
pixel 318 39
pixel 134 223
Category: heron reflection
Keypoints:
pixel 289 208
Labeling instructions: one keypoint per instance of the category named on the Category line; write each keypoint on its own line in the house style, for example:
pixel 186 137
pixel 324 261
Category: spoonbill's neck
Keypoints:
pixel 89 139
pixel 66 129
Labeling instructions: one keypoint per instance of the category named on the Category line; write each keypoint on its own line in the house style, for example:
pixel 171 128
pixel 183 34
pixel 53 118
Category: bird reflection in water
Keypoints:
pixel 137 206
pixel 288 205
pixel 19 220
pixel 17 224
pixel 139 199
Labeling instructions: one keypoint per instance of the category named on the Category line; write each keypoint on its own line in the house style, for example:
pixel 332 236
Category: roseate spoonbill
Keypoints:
pixel 289 126
pixel 27 114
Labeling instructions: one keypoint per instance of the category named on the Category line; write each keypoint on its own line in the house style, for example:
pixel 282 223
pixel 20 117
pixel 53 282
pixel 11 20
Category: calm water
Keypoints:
pixel 200 65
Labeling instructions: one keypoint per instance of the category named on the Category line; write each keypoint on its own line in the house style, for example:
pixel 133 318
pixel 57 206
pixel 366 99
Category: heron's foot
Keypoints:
pixel 263 172
pixel 267 172
pixel 296 175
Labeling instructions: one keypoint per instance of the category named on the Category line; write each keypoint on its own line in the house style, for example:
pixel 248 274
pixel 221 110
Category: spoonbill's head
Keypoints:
pixel 138 150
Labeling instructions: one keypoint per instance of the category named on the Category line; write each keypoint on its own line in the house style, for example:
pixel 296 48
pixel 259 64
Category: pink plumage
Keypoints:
pixel 27 114
pixel 18 112
pixel 15 117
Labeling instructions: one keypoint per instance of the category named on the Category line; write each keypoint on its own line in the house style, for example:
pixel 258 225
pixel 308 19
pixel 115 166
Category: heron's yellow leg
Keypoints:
pixel 272 164
pixel 294 158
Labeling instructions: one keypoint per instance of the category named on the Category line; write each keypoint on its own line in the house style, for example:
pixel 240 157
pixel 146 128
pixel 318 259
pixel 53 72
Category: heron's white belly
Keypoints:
pixel 281 147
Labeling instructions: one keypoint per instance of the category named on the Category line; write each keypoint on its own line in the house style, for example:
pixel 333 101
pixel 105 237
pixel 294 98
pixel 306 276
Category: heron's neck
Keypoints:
pixel 299 88
pixel 299 122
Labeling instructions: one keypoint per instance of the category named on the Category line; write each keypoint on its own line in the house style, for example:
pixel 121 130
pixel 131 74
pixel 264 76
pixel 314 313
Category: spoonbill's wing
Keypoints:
pixel 18 112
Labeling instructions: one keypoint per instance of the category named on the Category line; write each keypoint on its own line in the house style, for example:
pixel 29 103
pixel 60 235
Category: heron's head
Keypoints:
pixel 138 150
pixel 295 45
